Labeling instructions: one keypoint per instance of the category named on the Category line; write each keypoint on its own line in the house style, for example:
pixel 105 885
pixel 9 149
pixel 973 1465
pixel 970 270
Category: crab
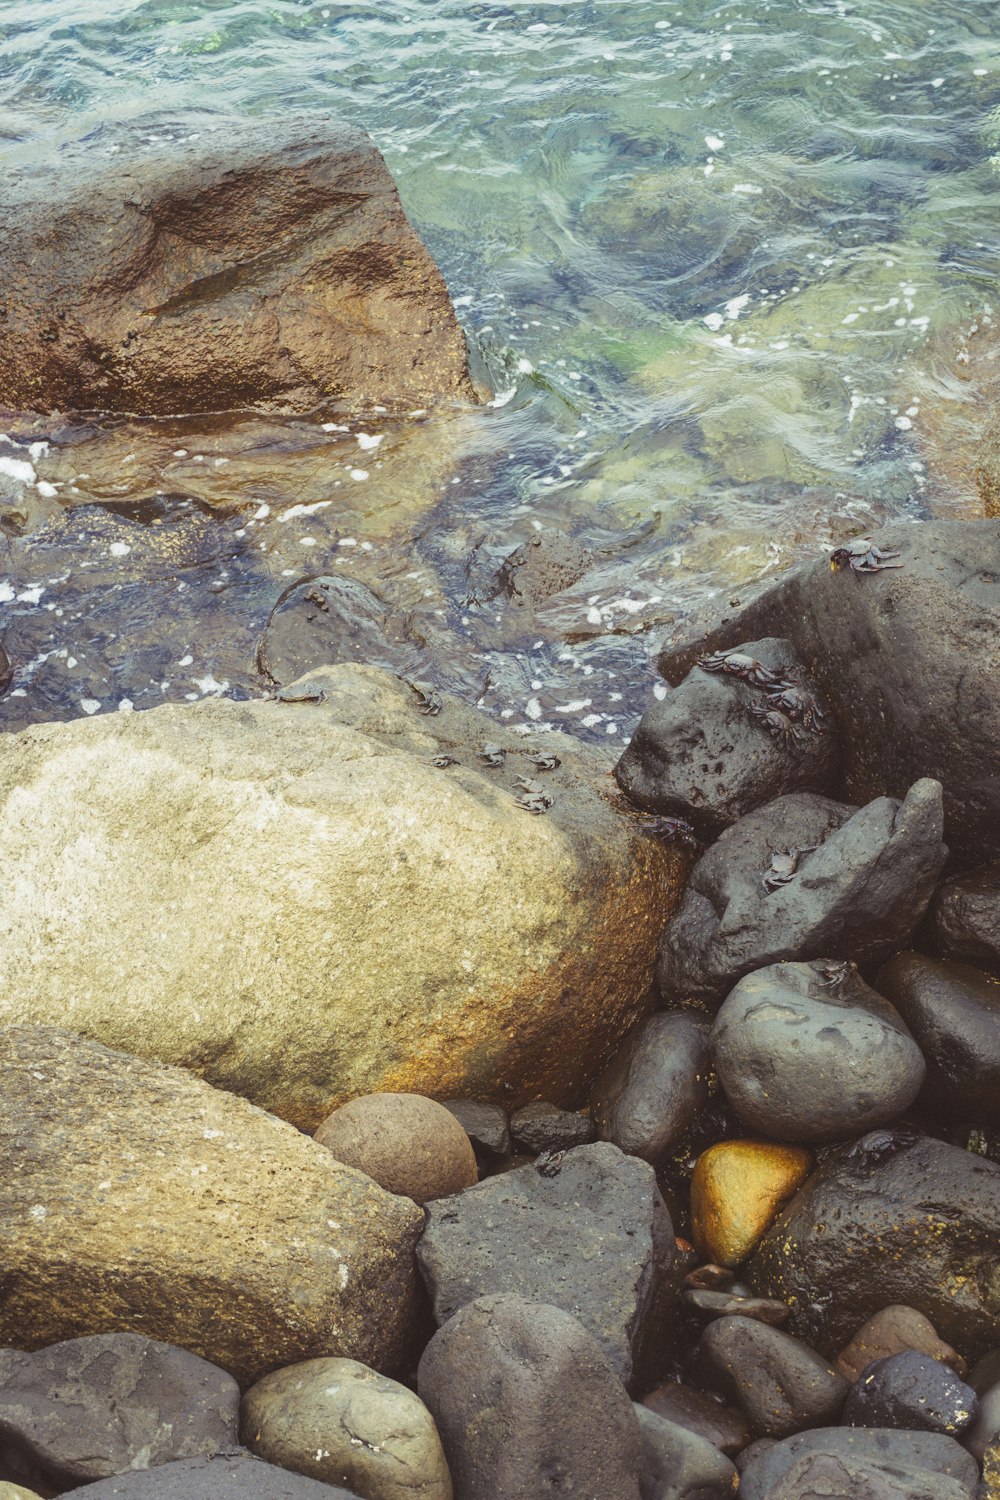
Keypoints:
pixel 441 761
pixel 800 706
pixel 549 1164
pixel 862 556
pixel 737 664
pixel 545 761
pixel 833 971
pixel 784 867
pixel 533 799
pixel 428 701
pixel 778 725
pixel 492 756
pixel 301 693
pixel 674 830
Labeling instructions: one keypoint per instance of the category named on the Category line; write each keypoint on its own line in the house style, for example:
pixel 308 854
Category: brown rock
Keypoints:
pixel 270 265
pixel 724 1427
pixel 737 1189
pixel 407 1143
pixel 137 1198
pixel 892 1331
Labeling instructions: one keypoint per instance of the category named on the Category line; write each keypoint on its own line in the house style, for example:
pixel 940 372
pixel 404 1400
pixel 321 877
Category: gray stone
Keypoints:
pixel 680 1465
pixel 953 1012
pixel 909 659
pixel 782 1384
pixel 235 1474
pixel 804 1059
pixel 858 895
pixel 861 1464
pixel 895 1217
pixel 486 1125
pixel 710 1305
pixel 550 562
pixel 545 1127
pixel 341 1422
pixel 985 1430
pixel 702 755
pixel 723 1426
pixel 964 918
pixel 318 622
pixel 912 1391
pixel 588 1233
pixel 652 1091
pixel 526 1404
pixel 91 1407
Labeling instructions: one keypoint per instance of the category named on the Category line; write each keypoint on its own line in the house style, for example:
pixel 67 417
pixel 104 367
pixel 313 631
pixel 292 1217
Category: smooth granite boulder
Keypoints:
pixel 134 1196
pixel 291 899
pixel 270 265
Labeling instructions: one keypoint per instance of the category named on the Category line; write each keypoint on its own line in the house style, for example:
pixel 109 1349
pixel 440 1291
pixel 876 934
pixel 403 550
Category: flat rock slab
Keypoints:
pixel 292 899
pixel 909 659
pixel 860 882
pixel 588 1232
pixel 211 264
pixel 845 1463
pixel 893 1218
pixel 134 1196
pixel 235 1474
pixel 91 1407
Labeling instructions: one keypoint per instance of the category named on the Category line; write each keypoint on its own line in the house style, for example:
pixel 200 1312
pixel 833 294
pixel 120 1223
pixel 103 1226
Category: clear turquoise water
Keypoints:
pixel 717 262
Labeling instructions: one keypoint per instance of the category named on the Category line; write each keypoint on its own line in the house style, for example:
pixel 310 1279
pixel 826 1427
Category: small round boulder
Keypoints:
pixel 406 1143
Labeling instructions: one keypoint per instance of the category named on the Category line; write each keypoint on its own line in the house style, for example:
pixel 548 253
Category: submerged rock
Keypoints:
pixel 322 621
pixel 273 268
pixel 294 900
pixel 135 1196
pixel 859 881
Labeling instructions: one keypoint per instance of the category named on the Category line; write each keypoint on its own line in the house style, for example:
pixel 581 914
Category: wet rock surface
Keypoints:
pixel 522 1396
pixel 587 1231
pixel 677 1464
pixel 964 918
pixel 782 1384
pixel 860 881
pixel 737 1187
pixel 186 278
pixel 804 1059
pixel 953 1011
pixel 92 1407
pixel 709 753
pixel 884 647
pixel 235 1474
pixel 404 1142
pixel 845 1464
pixel 895 1217
pixel 654 1087
pixel 892 1331
pixel 911 1391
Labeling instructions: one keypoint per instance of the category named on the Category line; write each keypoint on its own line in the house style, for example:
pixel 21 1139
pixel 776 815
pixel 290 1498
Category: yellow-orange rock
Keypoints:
pixel 736 1190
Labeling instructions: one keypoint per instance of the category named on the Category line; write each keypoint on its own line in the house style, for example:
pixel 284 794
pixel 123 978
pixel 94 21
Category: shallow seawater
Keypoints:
pixel 729 271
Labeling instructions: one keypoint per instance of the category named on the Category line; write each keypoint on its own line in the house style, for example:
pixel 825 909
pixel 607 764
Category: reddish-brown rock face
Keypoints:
pixel 162 268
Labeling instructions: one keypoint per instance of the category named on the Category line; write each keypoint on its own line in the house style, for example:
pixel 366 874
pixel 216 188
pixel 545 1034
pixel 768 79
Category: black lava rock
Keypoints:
pixel 953 1012
pixel 320 621
pixel 704 754
pixel 587 1231
pixel 655 1086
pixel 964 918
pixel 781 1384
pixel 680 1465
pixel 859 888
pixel 546 1127
pixel 860 1464
pixel 487 1127
pixel 526 1404
pixel 895 1217
pixel 912 1391
pixel 235 1474
pixel 802 1058
pixel 909 659
pixel 91 1407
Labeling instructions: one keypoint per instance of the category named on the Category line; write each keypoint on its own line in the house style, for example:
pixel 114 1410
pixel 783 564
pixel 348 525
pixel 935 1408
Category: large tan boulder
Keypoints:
pixel 137 1198
pixel 291 899
pixel 209 264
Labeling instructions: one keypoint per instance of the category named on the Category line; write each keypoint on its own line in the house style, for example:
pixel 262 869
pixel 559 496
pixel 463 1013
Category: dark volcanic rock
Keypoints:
pixel 269 266
pixel 722 1426
pixel 895 1217
pixel 487 1127
pixel 954 1013
pixel 680 1465
pixel 546 1127
pixel 91 1407
pixel 911 1391
pixel 701 755
pixel 860 1464
pixel 909 659
pixel 781 1384
pixel 651 1092
pixel 594 1237
pixel 526 1404
pixel 549 562
pixel 319 622
pixel 858 895
pixel 804 1059
pixel 236 1474
pixel 964 918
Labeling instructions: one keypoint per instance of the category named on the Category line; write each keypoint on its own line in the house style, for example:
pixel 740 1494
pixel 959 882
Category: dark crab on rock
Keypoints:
pixel 862 556
pixel 738 664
